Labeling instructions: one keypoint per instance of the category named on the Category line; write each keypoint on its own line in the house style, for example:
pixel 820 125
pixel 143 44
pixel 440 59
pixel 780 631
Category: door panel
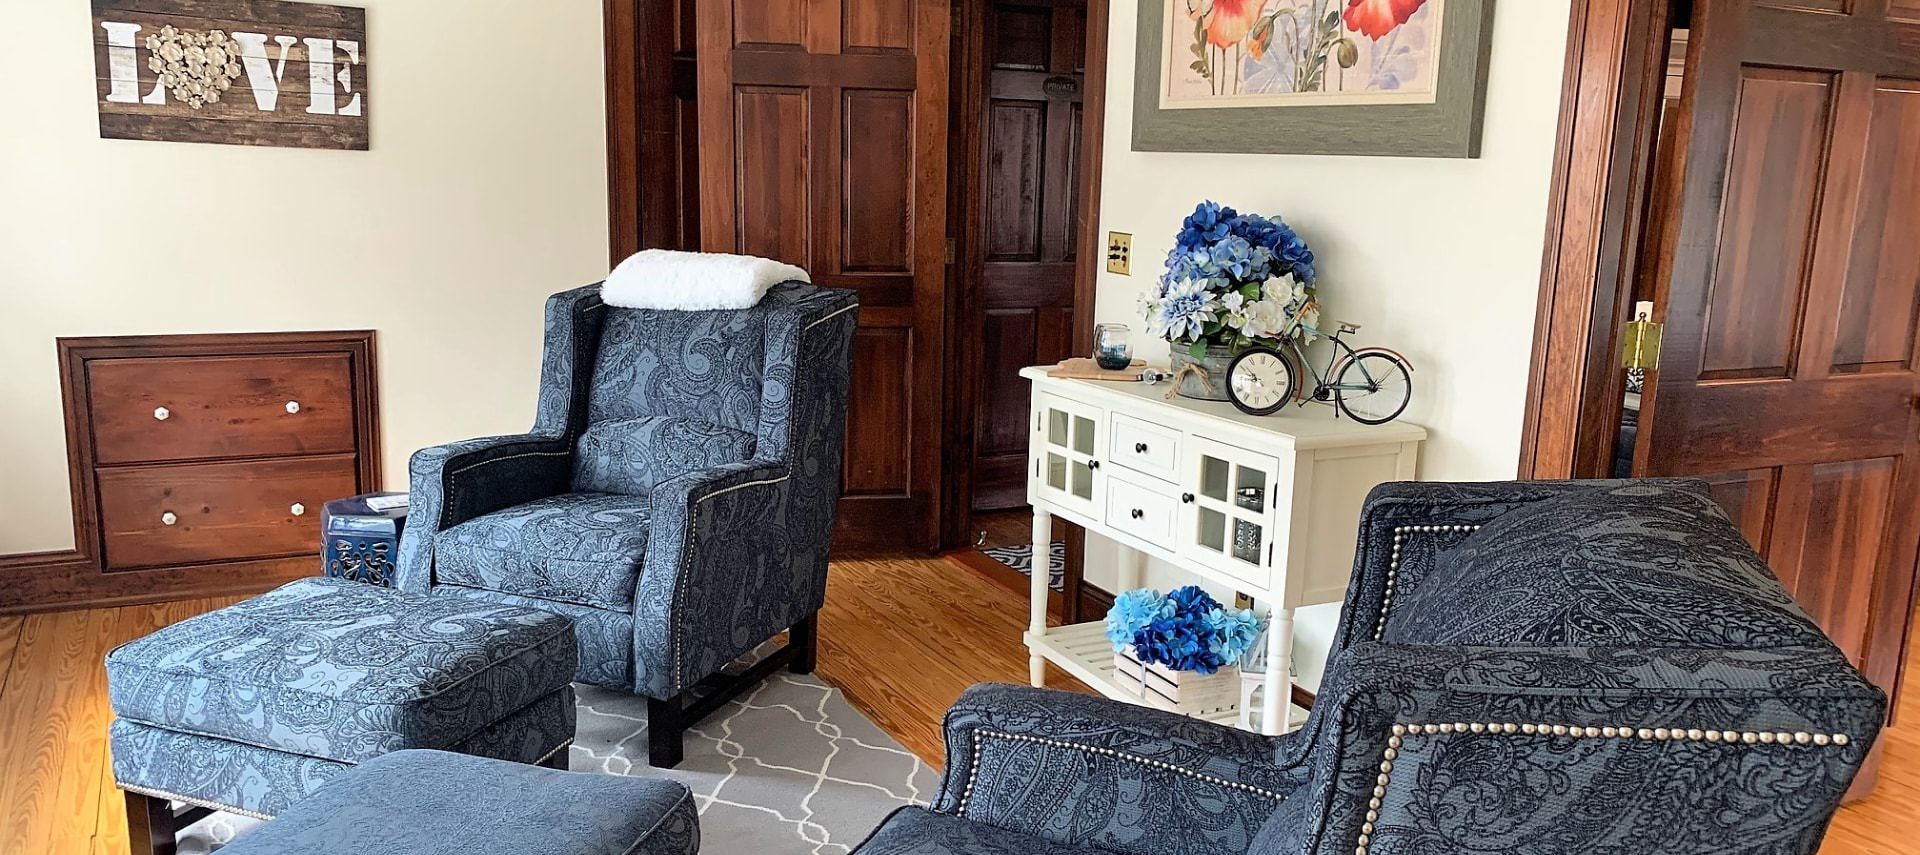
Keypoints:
pixel 1028 191
pixel 1841 511
pixel 1876 331
pixel 877 137
pixel 1747 497
pixel 1789 275
pixel 1767 232
pixel 823 144
pixel 1016 139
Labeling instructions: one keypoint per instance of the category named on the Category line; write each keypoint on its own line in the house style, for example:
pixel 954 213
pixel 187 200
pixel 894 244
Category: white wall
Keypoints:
pixel 1439 259
pixel 484 191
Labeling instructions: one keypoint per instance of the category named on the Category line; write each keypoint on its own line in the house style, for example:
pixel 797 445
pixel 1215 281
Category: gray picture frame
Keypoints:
pixel 1449 127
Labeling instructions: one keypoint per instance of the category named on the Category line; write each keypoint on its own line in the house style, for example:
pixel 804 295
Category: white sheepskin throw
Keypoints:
pixel 689 281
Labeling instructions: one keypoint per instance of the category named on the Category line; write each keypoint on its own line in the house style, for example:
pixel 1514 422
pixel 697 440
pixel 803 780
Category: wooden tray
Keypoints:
pixel 1084 368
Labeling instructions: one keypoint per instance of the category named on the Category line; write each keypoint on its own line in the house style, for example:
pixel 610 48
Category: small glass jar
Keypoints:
pixel 1112 349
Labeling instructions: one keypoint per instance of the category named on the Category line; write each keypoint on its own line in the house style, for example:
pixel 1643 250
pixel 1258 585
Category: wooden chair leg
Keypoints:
pixel 150 825
pixel 804 638
pixel 666 727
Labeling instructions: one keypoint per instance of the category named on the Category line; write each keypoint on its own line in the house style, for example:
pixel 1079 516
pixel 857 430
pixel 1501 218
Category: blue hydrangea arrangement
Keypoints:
pixel 1185 630
pixel 1233 280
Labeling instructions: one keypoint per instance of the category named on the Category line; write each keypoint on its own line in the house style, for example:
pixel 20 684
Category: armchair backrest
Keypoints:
pixel 1571 667
pixel 647 394
pixel 708 365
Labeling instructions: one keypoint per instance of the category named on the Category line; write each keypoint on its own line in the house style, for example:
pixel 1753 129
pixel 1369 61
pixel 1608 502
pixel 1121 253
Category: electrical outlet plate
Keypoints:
pixel 1120 253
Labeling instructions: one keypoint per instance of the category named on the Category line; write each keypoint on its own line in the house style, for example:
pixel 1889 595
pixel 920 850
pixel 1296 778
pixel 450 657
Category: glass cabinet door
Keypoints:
pixel 1066 436
pixel 1227 508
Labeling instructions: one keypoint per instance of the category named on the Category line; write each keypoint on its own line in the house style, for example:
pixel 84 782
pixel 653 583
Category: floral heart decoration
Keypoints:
pixel 195 66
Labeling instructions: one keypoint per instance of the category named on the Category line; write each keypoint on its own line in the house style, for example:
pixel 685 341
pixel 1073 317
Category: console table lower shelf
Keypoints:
pixel 1083 651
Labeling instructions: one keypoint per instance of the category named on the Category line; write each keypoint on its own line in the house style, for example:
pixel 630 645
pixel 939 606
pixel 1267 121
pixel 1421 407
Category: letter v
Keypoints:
pixel 264 78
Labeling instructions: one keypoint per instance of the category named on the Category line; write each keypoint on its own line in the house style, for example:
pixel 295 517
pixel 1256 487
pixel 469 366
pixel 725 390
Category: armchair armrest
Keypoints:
pixel 1596 749
pixel 456 482
pixel 719 576
pixel 1087 771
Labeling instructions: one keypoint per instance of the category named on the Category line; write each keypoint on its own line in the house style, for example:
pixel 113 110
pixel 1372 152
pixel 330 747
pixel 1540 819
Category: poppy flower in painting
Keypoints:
pixel 1229 21
pixel 1377 18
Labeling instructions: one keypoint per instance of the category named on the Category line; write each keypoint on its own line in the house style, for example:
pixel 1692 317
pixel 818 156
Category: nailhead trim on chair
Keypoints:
pixel 973 773
pixel 1646 734
pixel 163 794
pixel 1393 565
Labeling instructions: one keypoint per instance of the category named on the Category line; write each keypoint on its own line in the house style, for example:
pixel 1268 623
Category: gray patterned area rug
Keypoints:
pixel 788 767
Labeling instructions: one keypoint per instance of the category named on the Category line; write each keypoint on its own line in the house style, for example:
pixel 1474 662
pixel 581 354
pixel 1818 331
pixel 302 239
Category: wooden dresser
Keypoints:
pixel 199 463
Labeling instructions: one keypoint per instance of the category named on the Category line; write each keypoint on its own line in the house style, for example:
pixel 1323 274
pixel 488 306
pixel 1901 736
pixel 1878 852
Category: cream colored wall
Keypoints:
pixel 1439 259
pixel 484 191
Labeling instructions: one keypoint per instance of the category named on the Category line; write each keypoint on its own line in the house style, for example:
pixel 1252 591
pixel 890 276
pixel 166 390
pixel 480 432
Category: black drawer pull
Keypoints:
pixel 1093 464
pixel 1139 448
pixel 1139 514
pixel 1186 498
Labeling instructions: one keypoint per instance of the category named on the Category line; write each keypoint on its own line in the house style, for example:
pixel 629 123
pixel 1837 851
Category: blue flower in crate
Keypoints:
pixel 1177 642
pixel 1186 630
pixel 1131 612
pixel 1192 602
pixel 1233 632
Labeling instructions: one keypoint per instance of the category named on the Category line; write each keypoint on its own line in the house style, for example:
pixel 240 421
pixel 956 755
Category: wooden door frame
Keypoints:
pixel 648 161
pixel 966 318
pixel 1604 161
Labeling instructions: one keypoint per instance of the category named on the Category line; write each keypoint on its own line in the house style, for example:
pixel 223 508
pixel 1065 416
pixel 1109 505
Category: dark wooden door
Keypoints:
pixel 1029 192
pixel 823 133
pixel 1790 286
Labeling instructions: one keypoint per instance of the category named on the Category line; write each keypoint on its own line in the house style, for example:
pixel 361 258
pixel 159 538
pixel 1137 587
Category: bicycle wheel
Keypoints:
pixel 1374 388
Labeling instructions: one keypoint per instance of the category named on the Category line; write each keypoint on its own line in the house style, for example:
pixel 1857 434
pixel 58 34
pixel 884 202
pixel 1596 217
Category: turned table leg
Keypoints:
pixel 1038 588
pixel 1279 683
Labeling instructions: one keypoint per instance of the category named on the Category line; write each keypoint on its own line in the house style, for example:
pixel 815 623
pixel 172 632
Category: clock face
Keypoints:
pixel 1259 382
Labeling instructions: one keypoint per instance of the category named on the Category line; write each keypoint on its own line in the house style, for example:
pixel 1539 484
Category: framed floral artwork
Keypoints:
pixel 1359 77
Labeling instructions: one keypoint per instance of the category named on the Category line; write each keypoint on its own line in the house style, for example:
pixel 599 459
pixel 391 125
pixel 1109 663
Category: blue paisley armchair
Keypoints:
pixel 1545 667
pixel 675 497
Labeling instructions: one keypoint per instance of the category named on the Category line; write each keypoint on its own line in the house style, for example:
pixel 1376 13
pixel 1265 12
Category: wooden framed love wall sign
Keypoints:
pixel 236 72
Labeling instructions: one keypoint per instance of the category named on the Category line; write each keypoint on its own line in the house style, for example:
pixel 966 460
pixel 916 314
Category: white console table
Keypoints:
pixel 1268 506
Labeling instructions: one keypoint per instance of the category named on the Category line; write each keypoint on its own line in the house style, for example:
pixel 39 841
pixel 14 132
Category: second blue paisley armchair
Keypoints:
pixel 1600 667
pixel 675 497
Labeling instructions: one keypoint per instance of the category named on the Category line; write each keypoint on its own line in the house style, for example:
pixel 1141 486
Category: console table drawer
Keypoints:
pixel 1147 513
pixel 151 410
pixel 1146 447
pixel 152 516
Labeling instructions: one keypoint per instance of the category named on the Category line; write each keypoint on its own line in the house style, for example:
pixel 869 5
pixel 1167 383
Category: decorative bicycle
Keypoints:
pixel 1372 385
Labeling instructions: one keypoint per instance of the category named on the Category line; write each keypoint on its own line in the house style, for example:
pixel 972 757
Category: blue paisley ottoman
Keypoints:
pixel 251 708
pixel 434 803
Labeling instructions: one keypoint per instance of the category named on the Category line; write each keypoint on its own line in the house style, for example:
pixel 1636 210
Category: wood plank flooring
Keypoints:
pixel 902 637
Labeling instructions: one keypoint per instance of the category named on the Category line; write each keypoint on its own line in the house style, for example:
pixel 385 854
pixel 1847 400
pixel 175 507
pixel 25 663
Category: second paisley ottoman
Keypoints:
pixel 250 708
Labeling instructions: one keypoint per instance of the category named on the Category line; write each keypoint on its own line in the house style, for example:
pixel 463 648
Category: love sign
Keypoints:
pixel 238 72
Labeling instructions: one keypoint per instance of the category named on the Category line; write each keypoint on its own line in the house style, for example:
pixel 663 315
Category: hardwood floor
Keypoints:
pixel 902 637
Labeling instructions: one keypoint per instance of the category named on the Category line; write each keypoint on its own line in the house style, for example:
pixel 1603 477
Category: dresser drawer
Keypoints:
pixel 1146 447
pixel 152 516
pixel 1145 512
pixel 150 410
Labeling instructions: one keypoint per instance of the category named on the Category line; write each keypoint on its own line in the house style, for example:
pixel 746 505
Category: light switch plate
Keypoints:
pixel 1120 253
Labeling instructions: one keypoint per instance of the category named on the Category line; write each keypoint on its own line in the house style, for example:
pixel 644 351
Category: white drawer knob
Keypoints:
pixel 293 406
pixel 167 518
pixel 298 509
pixel 162 413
